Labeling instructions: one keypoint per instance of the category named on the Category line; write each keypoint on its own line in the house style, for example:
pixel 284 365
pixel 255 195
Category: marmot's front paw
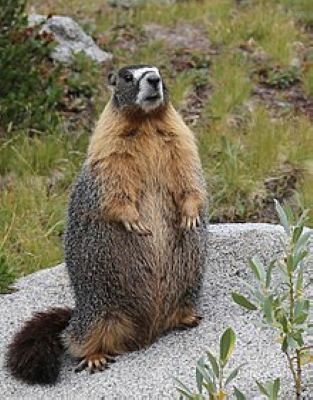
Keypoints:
pixel 137 227
pixel 190 222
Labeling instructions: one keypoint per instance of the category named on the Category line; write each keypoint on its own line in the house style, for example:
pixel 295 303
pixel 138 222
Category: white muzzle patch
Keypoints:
pixel 150 93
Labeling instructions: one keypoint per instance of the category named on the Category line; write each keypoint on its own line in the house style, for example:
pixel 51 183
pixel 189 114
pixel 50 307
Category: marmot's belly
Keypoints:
pixel 147 277
pixel 177 256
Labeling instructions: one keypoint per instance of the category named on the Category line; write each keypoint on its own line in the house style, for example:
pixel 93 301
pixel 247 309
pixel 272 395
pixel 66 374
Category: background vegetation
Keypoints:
pixel 243 79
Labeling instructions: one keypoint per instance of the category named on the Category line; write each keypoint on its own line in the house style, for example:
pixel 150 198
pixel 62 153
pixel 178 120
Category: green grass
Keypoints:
pixel 241 144
pixel 232 86
pixel 302 10
pixel 237 159
pixel 308 80
pixel 37 174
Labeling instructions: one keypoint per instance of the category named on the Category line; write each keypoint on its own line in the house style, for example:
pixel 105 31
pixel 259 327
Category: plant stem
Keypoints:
pixel 292 298
pixel 305 348
pixel 298 383
pixel 221 378
pixel 291 366
pixel 296 373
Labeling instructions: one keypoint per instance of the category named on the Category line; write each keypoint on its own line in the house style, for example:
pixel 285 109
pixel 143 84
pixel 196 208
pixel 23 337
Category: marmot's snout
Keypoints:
pixel 150 90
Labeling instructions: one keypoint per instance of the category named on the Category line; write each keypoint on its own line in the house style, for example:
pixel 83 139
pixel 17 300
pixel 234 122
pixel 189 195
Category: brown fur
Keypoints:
pixel 118 153
pixel 107 337
pixel 126 151
pixel 38 339
pixel 119 335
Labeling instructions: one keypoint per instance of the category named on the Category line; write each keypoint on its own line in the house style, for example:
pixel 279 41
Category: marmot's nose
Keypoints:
pixel 153 80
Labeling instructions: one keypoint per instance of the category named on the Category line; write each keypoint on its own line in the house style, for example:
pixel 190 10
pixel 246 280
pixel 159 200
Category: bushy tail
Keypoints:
pixel 34 356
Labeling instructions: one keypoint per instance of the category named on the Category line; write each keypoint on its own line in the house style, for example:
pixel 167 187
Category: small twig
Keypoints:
pixel 292 369
pixel 306 348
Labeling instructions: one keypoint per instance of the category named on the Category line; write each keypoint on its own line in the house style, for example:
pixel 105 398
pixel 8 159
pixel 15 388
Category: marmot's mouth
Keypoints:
pixel 153 98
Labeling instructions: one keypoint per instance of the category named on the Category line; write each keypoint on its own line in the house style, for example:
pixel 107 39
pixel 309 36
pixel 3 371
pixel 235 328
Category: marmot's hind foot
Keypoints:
pixel 190 321
pixel 95 362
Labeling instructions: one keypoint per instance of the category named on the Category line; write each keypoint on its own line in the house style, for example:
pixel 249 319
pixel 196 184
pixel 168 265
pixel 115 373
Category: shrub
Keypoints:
pixel 282 304
pixel 212 383
pixel 29 91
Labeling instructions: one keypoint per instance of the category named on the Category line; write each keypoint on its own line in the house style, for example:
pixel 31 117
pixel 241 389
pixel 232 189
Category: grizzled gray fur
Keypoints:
pixel 113 270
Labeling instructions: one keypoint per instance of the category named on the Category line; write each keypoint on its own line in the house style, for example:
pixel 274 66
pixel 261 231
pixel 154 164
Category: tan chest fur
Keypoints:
pixel 147 154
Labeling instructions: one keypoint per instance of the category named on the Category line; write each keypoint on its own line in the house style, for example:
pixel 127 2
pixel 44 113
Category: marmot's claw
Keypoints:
pixel 94 363
pixel 137 227
pixel 190 321
pixel 190 223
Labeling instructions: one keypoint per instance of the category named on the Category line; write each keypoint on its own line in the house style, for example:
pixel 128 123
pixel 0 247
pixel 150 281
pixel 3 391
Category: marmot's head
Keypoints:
pixel 138 86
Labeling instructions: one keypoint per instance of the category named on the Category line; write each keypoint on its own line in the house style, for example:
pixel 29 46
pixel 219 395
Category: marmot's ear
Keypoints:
pixel 112 78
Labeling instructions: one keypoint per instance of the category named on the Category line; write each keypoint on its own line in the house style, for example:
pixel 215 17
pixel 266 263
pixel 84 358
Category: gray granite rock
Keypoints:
pixel 70 37
pixel 136 3
pixel 149 373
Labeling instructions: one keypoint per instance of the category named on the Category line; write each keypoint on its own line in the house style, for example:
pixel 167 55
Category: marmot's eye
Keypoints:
pixel 128 78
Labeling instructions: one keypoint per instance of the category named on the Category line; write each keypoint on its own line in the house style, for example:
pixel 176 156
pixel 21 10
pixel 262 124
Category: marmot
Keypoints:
pixel 135 245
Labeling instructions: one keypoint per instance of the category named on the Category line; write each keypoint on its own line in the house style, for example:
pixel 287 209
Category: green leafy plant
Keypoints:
pixel 282 78
pixel 270 389
pixel 29 88
pixel 283 305
pixel 211 377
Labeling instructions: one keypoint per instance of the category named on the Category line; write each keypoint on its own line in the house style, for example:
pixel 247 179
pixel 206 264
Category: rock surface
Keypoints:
pixel 136 3
pixel 149 373
pixel 71 38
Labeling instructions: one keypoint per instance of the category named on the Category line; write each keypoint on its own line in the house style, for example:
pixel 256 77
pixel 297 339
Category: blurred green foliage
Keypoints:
pixel 29 88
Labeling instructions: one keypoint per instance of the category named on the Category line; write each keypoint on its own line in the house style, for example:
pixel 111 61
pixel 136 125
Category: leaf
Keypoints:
pixel 255 292
pixel 284 345
pixel 301 311
pixel 303 240
pixel 227 344
pixel 269 273
pixel 299 257
pixel 186 394
pixel 238 394
pixel 284 323
pixel 214 364
pixel 233 374
pixel 283 273
pixel 257 268
pixel 297 231
pixel 275 389
pixel 183 389
pixel 299 283
pixel 306 305
pixel 199 376
pixel 243 302
pixel 297 336
pixel 209 382
pixel 268 310
pixel 262 388
pixel 302 317
pixel 292 344
pixel 303 218
pixel 282 217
